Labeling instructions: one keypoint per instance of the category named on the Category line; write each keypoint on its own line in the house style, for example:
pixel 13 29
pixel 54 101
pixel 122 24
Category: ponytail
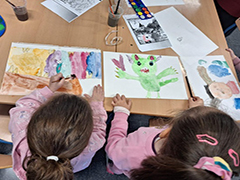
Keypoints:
pixel 167 168
pixel 57 132
pixel 38 168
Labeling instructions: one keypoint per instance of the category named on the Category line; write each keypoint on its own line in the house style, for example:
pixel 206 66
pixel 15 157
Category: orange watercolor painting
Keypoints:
pixel 30 67
pixel 28 61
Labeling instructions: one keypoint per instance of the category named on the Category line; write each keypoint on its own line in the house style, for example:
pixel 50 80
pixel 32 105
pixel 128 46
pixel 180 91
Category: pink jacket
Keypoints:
pixel 236 62
pixel 128 151
pixel 19 119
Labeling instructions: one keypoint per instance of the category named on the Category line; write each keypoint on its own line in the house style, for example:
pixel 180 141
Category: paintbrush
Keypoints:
pixel 118 3
pixel 10 3
pixel 73 76
pixel 110 6
pixel 189 87
pixel 188 84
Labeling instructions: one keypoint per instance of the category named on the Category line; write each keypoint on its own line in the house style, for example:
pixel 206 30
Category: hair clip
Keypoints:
pixel 52 157
pixel 234 156
pixel 207 139
pixel 217 165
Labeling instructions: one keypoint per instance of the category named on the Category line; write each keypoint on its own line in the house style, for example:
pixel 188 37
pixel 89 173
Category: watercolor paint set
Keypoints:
pixel 140 9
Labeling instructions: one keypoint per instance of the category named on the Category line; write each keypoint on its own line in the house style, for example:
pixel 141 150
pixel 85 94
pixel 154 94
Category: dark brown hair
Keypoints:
pixel 61 127
pixel 182 150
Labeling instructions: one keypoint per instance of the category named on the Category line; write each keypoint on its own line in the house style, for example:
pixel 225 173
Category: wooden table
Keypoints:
pixel 89 30
pixel 45 27
pixel 203 15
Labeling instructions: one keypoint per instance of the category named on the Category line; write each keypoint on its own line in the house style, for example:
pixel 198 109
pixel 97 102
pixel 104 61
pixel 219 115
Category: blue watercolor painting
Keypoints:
pixel 94 65
pixel 237 103
pixel 218 71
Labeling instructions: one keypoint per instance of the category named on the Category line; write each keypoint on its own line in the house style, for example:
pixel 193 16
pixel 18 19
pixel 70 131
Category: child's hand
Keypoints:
pixel 195 101
pixel 56 82
pixel 97 95
pixel 121 101
pixel 232 54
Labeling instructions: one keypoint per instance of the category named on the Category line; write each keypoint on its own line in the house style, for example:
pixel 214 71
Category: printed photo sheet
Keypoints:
pixel 147 34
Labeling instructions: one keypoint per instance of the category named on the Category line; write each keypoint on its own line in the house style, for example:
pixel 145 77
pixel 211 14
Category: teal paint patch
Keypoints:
pixel 225 64
pixel 218 62
pixel 201 62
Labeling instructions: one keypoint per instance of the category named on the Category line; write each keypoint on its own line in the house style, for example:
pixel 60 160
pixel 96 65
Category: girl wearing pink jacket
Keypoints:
pixel 199 143
pixel 56 135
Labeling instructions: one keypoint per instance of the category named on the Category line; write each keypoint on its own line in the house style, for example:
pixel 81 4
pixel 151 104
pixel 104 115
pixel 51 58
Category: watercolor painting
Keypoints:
pixel 143 76
pixel 212 79
pixel 34 64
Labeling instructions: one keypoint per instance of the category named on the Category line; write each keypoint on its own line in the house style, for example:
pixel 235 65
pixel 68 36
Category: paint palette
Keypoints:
pixel 140 9
pixel 2 26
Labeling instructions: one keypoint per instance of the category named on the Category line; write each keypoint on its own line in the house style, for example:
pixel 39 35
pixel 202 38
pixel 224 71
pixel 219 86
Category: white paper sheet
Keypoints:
pixel 186 39
pixel 132 88
pixel 148 34
pixel 60 10
pixel 225 95
pixel 70 10
pixel 160 2
pixel 78 6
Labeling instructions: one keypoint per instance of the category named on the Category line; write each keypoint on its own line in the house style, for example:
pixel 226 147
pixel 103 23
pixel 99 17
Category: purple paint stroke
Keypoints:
pixel 120 63
pixel 79 64
pixel 51 63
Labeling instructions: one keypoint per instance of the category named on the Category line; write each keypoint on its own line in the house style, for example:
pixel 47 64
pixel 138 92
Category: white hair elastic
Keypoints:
pixel 115 40
pixel 55 158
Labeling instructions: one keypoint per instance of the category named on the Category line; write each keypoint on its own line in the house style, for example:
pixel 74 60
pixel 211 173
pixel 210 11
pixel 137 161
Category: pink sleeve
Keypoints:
pixel 128 150
pixel 117 139
pixel 19 119
pixel 99 126
pixel 97 138
pixel 236 62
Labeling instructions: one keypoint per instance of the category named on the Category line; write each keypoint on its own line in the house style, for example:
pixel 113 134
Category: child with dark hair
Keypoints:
pixel 199 143
pixel 56 135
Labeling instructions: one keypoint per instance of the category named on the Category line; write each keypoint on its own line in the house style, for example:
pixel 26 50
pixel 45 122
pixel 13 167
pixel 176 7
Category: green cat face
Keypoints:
pixel 144 67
